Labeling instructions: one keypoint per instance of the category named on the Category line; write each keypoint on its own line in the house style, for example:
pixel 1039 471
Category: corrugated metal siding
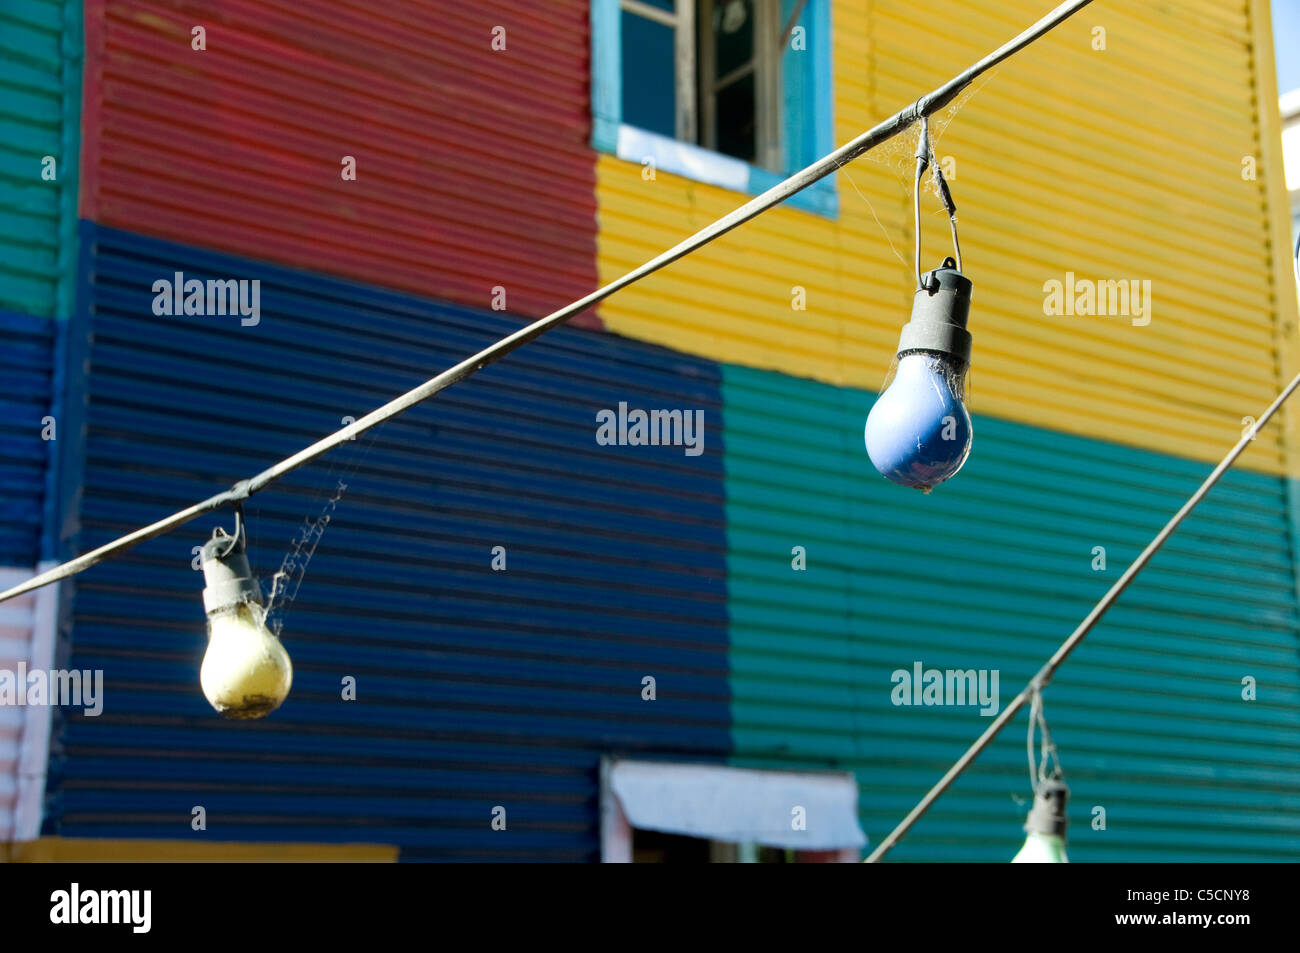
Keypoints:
pixel 17 619
pixel 1063 163
pixel 26 346
pixel 40 59
pixel 25 370
pixel 473 169
pixel 992 571
pixel 475 688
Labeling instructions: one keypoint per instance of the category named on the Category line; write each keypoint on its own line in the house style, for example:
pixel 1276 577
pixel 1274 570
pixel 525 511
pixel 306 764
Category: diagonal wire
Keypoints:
pixel 891 127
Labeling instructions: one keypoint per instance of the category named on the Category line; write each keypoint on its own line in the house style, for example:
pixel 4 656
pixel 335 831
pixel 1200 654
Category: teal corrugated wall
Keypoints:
pixel 992 571
pixel 40 90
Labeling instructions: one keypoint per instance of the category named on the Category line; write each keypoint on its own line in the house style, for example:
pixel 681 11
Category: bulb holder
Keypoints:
pixel 228 579
pixel 1047 816
pixel 940 310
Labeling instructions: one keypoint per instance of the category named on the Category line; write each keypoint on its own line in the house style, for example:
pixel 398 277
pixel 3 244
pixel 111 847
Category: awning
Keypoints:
pixel 805 811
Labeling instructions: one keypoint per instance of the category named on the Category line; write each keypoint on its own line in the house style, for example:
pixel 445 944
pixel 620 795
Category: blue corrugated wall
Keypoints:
pixel 25 389
pixel 475 688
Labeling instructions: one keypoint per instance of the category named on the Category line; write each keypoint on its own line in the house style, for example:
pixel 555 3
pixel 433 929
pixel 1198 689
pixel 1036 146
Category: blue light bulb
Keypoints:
pixel 918 432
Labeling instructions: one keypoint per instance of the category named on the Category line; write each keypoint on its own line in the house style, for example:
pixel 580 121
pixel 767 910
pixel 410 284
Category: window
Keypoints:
pixel 658 50
pixel 706 72
pixel 731 92
pixel 739 79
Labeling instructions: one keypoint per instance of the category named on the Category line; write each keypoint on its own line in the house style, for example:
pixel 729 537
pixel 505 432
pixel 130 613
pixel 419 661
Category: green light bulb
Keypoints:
pixel 1042 849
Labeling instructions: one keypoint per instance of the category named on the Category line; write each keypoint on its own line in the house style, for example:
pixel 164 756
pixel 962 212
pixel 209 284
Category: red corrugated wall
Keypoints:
pixel 473 165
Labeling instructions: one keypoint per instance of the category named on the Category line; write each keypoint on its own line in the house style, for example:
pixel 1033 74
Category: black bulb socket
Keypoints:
pixel 227 576
pixel 940 310
pixel 1048 813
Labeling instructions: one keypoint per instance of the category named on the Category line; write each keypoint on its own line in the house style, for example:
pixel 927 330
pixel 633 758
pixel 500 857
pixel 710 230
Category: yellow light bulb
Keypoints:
pixel 246 672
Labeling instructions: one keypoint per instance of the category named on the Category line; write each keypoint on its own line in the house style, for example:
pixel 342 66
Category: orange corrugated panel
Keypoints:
pixel 472 165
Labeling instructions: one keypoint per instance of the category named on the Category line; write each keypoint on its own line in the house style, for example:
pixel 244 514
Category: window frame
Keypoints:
pixel 801 99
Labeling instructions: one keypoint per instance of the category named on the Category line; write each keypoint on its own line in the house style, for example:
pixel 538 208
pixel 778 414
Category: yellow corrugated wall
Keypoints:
pixel 1122 163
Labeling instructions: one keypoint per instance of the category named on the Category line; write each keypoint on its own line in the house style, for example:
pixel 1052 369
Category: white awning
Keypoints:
pixel 740 805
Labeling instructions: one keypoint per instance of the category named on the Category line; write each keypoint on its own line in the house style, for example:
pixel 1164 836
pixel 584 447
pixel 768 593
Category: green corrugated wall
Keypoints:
pixel 992 571
pixel 40 91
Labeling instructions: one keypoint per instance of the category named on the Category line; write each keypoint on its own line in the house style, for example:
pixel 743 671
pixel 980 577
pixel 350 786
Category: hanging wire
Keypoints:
pixel 827 164
pixel 925 159
pixel 945 194
pixel 1038 767
pixel 235 538
pixel 1035 707
pixel 922 162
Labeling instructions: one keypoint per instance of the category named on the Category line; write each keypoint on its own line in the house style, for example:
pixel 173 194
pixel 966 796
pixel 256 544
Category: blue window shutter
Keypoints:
pixel 606 74
pixel 796 75
pixel 807 114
